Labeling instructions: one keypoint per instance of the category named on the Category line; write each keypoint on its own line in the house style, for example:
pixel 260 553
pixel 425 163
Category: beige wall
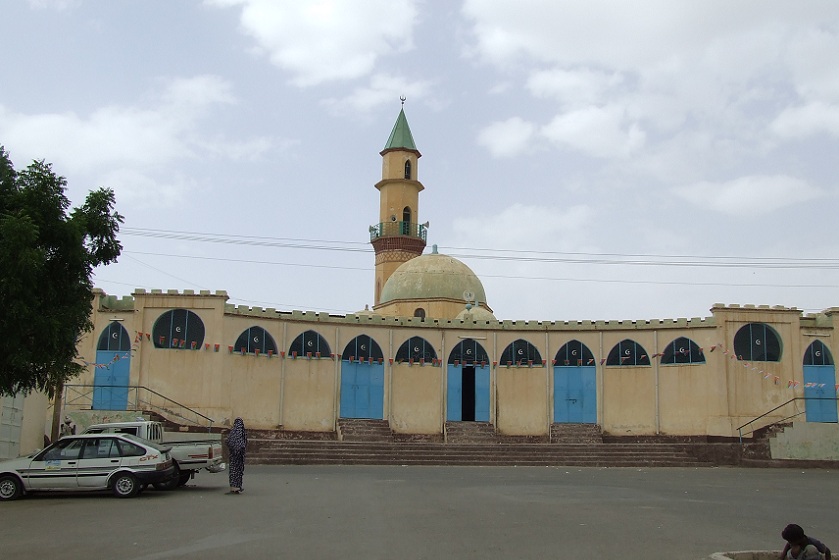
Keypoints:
pixel 713 398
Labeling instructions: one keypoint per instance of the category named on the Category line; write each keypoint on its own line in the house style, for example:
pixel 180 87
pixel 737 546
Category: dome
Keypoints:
pixel 475 314
pixel 432 276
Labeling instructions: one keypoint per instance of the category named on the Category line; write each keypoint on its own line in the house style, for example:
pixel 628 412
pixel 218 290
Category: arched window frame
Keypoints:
pixel 757 342
pixel 408 169
pixel 818 354
pixel 114 338
pixel 309 344
pixel 255 340
pixel 682 351
pixel 469 352
pixel 178 328
pixel 419 312
pixel 628 353
pixel 417 349
pixel 574 353
pixel 362 348
pixel 520 353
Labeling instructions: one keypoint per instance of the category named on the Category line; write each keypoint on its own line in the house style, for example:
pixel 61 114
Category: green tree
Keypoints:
pixel 47 257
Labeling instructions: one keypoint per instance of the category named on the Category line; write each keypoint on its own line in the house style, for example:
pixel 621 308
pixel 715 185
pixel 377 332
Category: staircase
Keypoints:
pixel 371 442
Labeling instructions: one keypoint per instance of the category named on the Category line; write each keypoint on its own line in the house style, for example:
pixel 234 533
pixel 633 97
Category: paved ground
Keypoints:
pixel 434 512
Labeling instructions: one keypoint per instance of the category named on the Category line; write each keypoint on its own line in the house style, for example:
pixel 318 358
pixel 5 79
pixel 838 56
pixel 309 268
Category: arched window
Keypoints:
pixel 469 352
pixel 362 348
pixel 408 169
pixel 416 348
pixel 757 342
pixel 628 353
pixel 574 353
pixel 114 338
pixel 520 352
pixel 818 354
pixel 178 328
pixel 683 351
pixel 419 312
pixel 309 343
pixel 255 340
pixel 406 221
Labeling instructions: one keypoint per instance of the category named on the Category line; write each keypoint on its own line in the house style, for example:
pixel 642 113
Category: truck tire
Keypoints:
pixel 170 484
pixel 10 488
pixel 125 485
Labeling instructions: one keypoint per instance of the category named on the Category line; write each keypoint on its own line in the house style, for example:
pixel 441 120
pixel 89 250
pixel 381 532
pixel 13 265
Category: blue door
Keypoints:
pixel 819 393
pixel 454 392
pixel 467 393
pixel 362 390
pixel 110 381
pixel 575 394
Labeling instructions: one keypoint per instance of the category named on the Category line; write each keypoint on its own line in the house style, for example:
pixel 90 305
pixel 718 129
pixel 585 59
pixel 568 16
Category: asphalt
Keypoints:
pixel 310 512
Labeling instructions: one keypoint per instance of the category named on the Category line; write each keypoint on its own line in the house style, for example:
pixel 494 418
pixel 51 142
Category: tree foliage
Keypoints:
pixel 47 257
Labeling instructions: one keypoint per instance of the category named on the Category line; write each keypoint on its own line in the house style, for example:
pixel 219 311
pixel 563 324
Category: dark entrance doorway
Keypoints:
pixel 468 395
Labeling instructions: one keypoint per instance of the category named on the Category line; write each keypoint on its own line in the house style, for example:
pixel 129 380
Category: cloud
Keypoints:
pixel 806 120
pixel 320 41
pixel 507 138
pixel 573 87
pixel 750 195
pixel 596 131
pixel 521 226
pixel 382 89
pixel 135 143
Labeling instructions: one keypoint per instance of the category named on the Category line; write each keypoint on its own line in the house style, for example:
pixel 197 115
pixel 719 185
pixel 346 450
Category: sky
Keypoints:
pixel 587 160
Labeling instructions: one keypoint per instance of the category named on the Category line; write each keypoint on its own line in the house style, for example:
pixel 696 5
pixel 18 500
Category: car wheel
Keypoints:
pixel 184 477
pixel 10 488
pixel 170 484
pixel 125 485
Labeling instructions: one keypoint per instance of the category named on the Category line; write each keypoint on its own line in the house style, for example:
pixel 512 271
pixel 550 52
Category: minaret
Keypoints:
pixel 398 237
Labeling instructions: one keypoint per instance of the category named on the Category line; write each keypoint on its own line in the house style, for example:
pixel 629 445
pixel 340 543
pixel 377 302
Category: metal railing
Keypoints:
pixel 790 417
pixel 136 397
pixel 399 229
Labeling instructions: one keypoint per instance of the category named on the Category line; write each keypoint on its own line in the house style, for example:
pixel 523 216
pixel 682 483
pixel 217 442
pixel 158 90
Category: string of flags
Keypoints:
pixel 179 343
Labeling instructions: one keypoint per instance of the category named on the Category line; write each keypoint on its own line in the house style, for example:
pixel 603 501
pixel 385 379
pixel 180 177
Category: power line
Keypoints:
pixel 547 257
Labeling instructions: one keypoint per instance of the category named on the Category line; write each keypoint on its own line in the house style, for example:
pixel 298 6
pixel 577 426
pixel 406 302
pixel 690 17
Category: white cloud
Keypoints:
pixel 130 143
pixel 797 122
pixel 327 40
pixel 596 131
pixel 521 226
pixel 507 138
pixel 750 195
pixel 573 87
pixel 382 89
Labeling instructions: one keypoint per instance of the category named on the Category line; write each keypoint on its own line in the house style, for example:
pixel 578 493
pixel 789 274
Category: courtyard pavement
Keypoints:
pixel 370 513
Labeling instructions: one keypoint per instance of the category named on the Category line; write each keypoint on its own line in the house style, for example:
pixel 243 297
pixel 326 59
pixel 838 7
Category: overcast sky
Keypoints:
pixel 588 160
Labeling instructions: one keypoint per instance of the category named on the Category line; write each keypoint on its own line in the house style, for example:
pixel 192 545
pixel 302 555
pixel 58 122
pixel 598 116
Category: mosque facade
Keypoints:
pixel 431 352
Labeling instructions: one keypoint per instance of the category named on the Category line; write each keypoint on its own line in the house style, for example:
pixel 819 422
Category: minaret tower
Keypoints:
pixel 398 237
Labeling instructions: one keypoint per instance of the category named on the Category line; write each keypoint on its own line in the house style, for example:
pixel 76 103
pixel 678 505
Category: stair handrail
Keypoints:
pixel 82 390
pixel 799 413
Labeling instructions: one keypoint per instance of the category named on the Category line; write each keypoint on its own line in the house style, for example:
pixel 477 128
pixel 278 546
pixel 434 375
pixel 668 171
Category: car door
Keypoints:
pixel 55 467
pixel 99 458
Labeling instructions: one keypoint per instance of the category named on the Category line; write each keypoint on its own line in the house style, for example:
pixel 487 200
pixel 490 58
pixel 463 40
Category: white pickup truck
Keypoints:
pixel 189 455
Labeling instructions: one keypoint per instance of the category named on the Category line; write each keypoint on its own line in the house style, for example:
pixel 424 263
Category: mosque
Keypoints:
pixel 430 352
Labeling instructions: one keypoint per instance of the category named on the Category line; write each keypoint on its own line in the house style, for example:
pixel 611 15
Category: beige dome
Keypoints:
pixel 475 314
pixel 433 276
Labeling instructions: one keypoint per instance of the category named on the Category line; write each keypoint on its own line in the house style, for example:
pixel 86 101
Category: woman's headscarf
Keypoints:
pixel 237 439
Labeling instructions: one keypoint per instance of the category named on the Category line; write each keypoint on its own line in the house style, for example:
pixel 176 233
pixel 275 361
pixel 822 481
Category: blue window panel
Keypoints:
pixel 575 394
pixel 110 383
pixel 820 401
pixel 454 385
pixel 482 394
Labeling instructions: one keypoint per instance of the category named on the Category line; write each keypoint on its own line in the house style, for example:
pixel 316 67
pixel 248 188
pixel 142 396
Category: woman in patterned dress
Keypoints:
pixel 237 443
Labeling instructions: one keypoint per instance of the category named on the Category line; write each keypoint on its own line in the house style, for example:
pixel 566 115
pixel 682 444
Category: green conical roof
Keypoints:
pixel 401 137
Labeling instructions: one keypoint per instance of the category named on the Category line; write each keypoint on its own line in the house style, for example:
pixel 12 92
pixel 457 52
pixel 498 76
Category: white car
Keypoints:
pixel 122 463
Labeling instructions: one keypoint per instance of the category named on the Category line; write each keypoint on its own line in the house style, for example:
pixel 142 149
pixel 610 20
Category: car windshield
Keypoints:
pixel 145 442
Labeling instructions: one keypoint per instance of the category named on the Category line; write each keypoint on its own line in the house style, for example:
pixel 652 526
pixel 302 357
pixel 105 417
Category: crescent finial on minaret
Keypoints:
pixel 402 98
